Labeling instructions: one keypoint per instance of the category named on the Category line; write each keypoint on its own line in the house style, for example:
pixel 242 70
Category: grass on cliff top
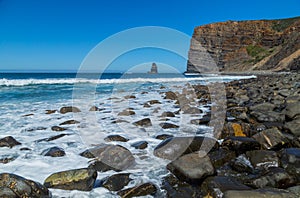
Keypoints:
pixel 281 25
pixel 258 52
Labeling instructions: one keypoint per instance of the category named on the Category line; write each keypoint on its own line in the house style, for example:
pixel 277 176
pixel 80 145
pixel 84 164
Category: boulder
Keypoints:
pixel 77 179
pixel 68 122
pixel 262 159
pixel 12 185
pixel 290 161
pixel 152 102
pixel 168 114
pixel 220 157
pixel 110 157
pixel 170 95
pixel 117 138
pixel 69 109
pixel 51 138
pixel 274 178
pixel 163 136
pixel 54 152
pixel 116 182
pixel 146 122
pixel 240 144
pixel 271 139
pixel 94 108
pixel 292 109
pixel 57 128
pixel 167 125
pixel 50 111
pixel 140 145
pixel 218 185
pixel 126 112
pixel 192 167
pixel 174 147
pixel 242 164
pixel 138 191
pixel 9 141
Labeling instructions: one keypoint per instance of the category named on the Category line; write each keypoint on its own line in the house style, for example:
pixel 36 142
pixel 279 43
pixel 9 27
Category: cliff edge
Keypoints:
pixel 246 46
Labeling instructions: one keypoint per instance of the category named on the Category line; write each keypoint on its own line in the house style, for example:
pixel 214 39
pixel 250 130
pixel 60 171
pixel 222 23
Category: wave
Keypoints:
pixel 61 81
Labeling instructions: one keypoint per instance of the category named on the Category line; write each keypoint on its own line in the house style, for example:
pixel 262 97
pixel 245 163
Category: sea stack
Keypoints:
pixel 153 69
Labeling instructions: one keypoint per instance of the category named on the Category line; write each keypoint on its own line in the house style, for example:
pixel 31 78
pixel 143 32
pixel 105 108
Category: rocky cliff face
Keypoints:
pixel 246 46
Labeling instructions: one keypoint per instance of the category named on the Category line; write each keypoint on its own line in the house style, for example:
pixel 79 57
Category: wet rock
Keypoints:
pixel 259 193
pixel 28 115
pixel 77 179
pixel 9 141
pixel 262 159
pixel 146 122
pixel 168 114
pixel 240 144
pixel 292 110
pixel 192 110
pixel 69 109
pixel 54 152
pixel 126 112
pixel 290 161
pixel 170 95
pixel 163 136
pixel 275 178
pixel 116 182
pixel 192 167
pixel 242 164
pixel 152 102
pixel 140 145
pixel 217 186
pixel 142 190
pixel 57 128
pixel 202 121
pixel 68 122
pixel 12 185
pixel 147 105
pixel 293 126
pixel 177 189
pixel 117 138
pixel 94 108
pixel 220 157
pixel 110 157
pixel 50 111
pixel 119 121
pixel 172 148
pixel 271 139
pixel 51 138
pixel 129 97
pixel 168 125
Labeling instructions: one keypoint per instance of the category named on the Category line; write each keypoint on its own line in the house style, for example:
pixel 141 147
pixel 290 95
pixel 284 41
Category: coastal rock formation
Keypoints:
pixel 246 46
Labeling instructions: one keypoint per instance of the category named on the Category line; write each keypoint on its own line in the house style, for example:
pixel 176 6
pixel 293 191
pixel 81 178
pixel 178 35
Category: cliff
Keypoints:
pixel 246 46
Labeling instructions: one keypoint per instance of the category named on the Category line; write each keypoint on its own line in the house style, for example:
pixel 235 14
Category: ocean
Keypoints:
pixel 26 97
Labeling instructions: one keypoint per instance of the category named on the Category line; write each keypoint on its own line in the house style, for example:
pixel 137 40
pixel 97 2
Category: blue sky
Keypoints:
pixel 58 34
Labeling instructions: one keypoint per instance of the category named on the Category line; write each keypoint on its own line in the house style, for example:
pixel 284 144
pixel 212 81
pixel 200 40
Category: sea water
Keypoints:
pixel 25 97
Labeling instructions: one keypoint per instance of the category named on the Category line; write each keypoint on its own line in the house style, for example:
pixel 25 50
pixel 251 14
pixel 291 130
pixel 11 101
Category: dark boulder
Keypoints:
pixel 9 141
pixel 137 191
pixel 68 122
pixel 168 114
pixel 140 145
pixel 77 179
pixel 240 144
pixel 166 125
pixel 116 182
pixel 57 128
pixel 69 109
pixel 54 152
pixel 146 122
pixel 192 168
pixel 271 139
pixel 117 138
pixel 12 185
pixel 262 159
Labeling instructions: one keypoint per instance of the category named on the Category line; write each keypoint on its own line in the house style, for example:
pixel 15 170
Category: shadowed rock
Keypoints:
pixel 142 190
pixel 146 122
pixel 116 182
pixel 9 141
pixel 54 152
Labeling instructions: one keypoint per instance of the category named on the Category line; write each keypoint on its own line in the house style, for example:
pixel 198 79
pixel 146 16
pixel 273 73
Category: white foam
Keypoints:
pixel 25 82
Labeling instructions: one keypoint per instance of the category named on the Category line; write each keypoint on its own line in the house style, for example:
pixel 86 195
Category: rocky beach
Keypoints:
pixel 257 153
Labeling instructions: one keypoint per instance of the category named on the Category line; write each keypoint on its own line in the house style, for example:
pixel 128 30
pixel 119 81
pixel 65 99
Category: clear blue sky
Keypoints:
pixel 57 34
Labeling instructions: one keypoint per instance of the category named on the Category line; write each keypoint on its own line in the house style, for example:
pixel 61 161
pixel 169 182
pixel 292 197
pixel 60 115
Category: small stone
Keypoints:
pixel 262 159
pixel 116 182
pixel 68 122
pixel 69 109
pixel 28 115
pixel 152 102
pixel 78 179
pixel 163 136
pixel 9 141
pixel 57 128
pixel 94 108
pixel 168 126
pixel 140 145
pixel 137 191
pixel 168 114
pixel 192 167
pixel 117 138
pixel 170 95
pixel 129 97
pixel 146 122
pixel 50 111
pixel 220 157
pixel 51 138
pixel 126 112
pixel 54 152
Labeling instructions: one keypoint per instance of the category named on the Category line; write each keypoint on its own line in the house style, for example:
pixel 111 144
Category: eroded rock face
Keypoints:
pixel 246 45
pixel 78 179
pixel 12 185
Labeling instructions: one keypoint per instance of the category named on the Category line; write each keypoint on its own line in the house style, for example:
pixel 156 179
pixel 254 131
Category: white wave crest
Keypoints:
pixel 26 82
